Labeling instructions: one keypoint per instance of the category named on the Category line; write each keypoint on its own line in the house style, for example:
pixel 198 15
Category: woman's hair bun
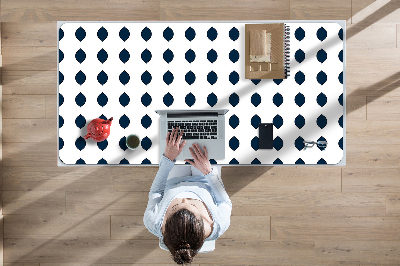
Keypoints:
pixel 183 255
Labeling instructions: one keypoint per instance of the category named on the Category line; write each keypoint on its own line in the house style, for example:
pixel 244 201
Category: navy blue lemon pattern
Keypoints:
pixel 129 70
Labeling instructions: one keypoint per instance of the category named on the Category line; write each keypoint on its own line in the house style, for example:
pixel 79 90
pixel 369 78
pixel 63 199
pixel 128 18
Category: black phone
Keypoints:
pixel 265 136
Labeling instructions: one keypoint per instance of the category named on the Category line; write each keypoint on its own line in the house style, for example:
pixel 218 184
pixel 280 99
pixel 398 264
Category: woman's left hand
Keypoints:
pixel 174 147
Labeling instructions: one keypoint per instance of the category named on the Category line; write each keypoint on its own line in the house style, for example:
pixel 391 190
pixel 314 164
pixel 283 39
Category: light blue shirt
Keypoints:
pixel 209 188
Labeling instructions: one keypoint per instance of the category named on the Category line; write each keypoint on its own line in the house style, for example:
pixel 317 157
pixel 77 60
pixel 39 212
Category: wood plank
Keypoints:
pixel 246 203
pixel 129 227
pixel 64 10
pixel 112 178
pixel 24 106
pixel 33 202
pixel 30 154
pixel 110 203
pixel 363 252
pixel 397 35
pixel 369 12
pixel 371 180
pixel 373 132
pixel 356 108
pixel 223 10
pixel 21 264
pixel 335 228
pixel 323 9
pixel 261 252
pixel 308 204
pixel 40 130
pixel 384 36
pixel 29 58
pixel 1 238
pixel 378 264
pixel 58 178
pixel 30 82
pixel 248 227
pixel 1 156
pixel 241 227
pixel 1 164
pixel 376 84
pixel 29 34
pixel 148 251
pixel 372 156
pixel 279 179
pixel 84 251
pixel 314 264
pixel 359 5
pixel 50 226
pixel 109 264
pixel 359 60
pixel 51 106
pixel 383 108
pixel 393 204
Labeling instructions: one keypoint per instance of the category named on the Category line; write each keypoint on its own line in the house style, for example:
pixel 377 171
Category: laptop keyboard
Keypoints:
pixel 195 129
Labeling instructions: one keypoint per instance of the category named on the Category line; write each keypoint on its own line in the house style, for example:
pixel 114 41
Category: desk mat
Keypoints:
pixel 129 70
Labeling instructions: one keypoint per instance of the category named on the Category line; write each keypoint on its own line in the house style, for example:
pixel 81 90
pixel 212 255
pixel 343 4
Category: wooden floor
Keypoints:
pixel 281 215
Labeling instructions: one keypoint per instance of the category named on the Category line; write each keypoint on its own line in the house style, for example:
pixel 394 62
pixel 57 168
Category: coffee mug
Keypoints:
pixel 132 142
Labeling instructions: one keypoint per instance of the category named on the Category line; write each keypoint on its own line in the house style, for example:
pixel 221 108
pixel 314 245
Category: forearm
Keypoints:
pixel 160 180
pixel 215 182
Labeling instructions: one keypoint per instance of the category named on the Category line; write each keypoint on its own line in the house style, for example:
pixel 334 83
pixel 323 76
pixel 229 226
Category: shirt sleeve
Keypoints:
pixel 156 194
pixel 224 204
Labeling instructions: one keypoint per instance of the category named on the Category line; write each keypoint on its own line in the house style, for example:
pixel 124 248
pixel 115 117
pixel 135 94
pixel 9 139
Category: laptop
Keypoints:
pixel 204 127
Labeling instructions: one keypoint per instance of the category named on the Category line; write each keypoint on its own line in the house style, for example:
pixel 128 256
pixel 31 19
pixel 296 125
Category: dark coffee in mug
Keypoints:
pixel 132 142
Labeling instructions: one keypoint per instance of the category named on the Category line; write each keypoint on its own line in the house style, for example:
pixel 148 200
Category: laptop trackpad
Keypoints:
pixel 186 151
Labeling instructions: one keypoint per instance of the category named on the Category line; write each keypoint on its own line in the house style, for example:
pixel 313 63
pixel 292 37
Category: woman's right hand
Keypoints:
pixel 201 161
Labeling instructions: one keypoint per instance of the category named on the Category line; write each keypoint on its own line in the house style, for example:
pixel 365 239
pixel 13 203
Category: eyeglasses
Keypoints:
pixel 320 144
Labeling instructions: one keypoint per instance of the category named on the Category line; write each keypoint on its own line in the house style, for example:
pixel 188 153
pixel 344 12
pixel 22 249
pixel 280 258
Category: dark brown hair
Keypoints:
pixel 184 235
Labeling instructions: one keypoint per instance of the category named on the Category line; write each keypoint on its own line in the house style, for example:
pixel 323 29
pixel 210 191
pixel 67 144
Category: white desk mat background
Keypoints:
pixel 201 88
